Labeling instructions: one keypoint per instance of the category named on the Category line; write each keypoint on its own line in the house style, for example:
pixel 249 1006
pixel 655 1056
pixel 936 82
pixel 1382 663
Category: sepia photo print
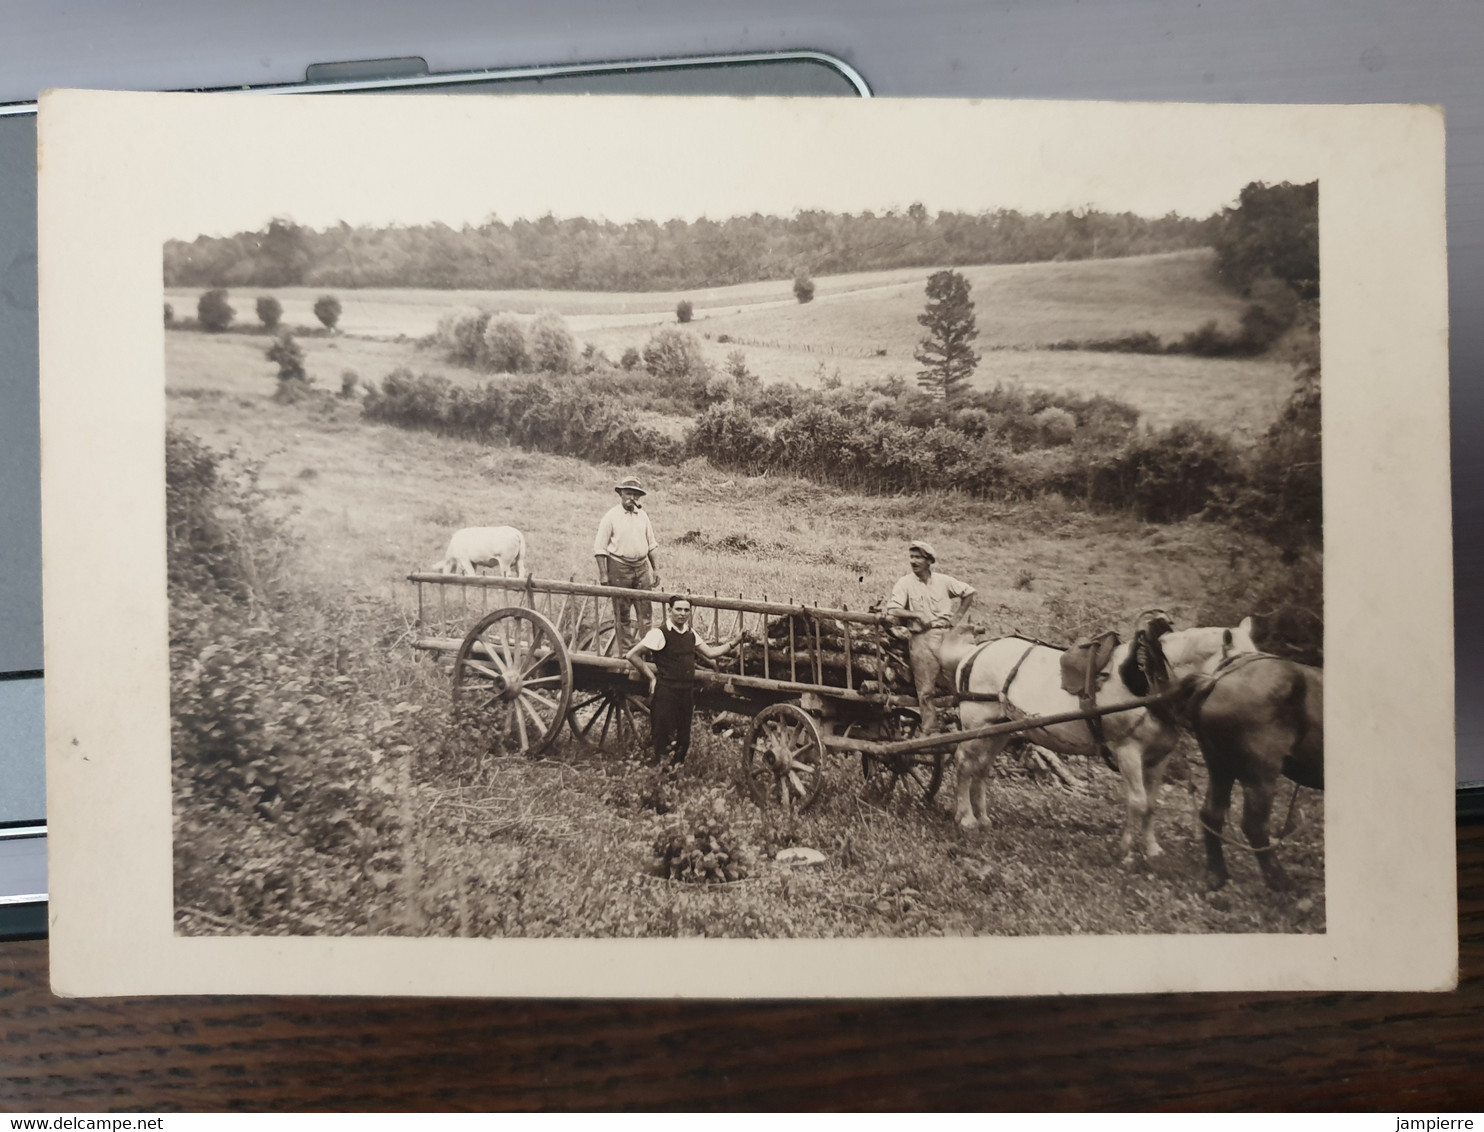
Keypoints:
pixel 779 523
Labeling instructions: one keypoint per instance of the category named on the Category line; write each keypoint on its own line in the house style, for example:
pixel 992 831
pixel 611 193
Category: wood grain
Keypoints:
pixel 1405 1052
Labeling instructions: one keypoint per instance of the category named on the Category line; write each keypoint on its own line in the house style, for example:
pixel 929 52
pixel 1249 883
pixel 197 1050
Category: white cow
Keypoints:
pixel 503 548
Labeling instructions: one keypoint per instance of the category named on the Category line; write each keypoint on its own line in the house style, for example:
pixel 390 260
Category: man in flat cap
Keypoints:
pixel 923 602
pixel 625 550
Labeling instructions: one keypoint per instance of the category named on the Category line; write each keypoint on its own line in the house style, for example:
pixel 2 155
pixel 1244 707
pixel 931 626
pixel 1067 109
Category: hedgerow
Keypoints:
pixel 286 742
pixel 1002 443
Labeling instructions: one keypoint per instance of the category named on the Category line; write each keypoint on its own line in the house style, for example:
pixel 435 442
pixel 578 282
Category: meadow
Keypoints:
pixel 385 817
pixel 489 845
pixel 859 329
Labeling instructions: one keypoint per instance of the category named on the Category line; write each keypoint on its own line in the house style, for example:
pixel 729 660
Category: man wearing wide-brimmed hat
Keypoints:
pixel 924 602
pixel 625 550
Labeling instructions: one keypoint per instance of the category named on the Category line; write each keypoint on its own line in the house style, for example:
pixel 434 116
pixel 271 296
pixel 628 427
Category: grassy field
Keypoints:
pixel 859 327
pixel 500 845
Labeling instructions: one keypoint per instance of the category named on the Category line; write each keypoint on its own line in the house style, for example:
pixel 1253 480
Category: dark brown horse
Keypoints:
pixel 1260 718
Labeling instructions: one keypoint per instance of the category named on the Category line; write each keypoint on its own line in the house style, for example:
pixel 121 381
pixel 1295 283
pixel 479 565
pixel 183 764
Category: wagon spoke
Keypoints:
pixel 535 717
pixel 554 678
pixel 535 664
pixel 527 694
pixel 482 669
pixel 609 710
pixel 520 722
pixel 497 654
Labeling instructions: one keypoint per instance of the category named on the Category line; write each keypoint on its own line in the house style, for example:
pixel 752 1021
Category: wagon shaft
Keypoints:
pixel 1008 727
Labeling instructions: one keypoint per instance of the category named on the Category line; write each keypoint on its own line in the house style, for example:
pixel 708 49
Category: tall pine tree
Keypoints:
pixel 949 318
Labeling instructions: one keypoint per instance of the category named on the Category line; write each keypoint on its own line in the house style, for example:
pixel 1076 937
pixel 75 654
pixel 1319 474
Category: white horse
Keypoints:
pixel 1140 740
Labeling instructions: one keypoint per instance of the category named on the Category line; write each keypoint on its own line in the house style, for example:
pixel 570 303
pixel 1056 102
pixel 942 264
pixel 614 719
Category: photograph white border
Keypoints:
pixel 122 173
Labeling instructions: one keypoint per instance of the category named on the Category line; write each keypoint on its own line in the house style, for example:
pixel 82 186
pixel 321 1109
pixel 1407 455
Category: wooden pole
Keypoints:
pixel 1009 727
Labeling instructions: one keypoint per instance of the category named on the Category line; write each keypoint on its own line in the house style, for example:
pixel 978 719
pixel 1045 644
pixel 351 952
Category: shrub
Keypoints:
pixel 553 349
pixel 1168 475
pixel 460 335
pixel 350 381
pixel 701 848
pixel 169 315
pixel 270 311
pixel 327 310
pixel 412 401
pixel 549 416
pixel 675 354
pixel 631 358
pixel 213 311
pixel 293 382
pixel 505 345
pixel 220 543
pixel 746 383
pixel 1281 498
pixel 1057 426
pixel 683 311
pixel 803 288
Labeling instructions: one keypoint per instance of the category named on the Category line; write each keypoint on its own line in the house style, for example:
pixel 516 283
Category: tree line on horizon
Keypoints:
pixel 580 254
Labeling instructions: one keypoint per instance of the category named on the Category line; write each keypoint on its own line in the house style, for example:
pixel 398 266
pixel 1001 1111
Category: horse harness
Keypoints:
pixel 1081 665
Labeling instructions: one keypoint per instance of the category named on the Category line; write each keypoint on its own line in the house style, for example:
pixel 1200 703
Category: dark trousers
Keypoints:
pixel 629 576
pixel 669 719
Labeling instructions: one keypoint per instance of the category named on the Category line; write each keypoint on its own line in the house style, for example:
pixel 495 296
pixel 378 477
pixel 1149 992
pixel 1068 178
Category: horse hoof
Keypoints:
pixel 1153 852
pixel 967 823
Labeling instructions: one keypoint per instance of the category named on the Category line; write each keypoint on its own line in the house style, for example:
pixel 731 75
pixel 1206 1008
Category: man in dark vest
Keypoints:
pixel 666 657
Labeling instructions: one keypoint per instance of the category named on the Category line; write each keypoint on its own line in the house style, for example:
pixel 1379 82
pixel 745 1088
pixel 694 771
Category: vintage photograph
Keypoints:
pixel 761 547
pixel 902 570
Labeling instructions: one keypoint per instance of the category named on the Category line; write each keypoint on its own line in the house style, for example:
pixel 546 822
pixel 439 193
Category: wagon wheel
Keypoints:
pixel 513 678
pixel 910 774
pixel 614 720
pixel 783 757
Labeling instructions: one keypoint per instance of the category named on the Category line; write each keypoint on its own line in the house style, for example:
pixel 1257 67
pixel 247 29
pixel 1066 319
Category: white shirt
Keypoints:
pixel 625 534
pixel 654 640
pixel 933 598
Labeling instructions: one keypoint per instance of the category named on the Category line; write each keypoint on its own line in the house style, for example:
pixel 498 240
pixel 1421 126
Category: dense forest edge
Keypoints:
pixel 578 254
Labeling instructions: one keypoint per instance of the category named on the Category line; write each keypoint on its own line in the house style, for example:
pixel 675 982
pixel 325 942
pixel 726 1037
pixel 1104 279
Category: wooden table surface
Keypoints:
pixel 1404 1052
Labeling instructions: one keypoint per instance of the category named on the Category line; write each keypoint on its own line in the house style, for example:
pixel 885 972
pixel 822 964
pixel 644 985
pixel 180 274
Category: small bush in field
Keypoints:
pixel 289 357
pixel 683 310
pixel 350 381
pixel 460 335
pixel 552 347
pixel 631 359
pixel 673 354
pixel 213 311
pixel 169 315
pixel 293 381
pixel 803 288
pixel 505 345
pixel 270 311
pixel 327 310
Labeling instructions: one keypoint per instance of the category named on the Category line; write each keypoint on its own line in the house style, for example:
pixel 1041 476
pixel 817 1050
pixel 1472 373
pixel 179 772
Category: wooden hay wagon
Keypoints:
pixel 541 654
